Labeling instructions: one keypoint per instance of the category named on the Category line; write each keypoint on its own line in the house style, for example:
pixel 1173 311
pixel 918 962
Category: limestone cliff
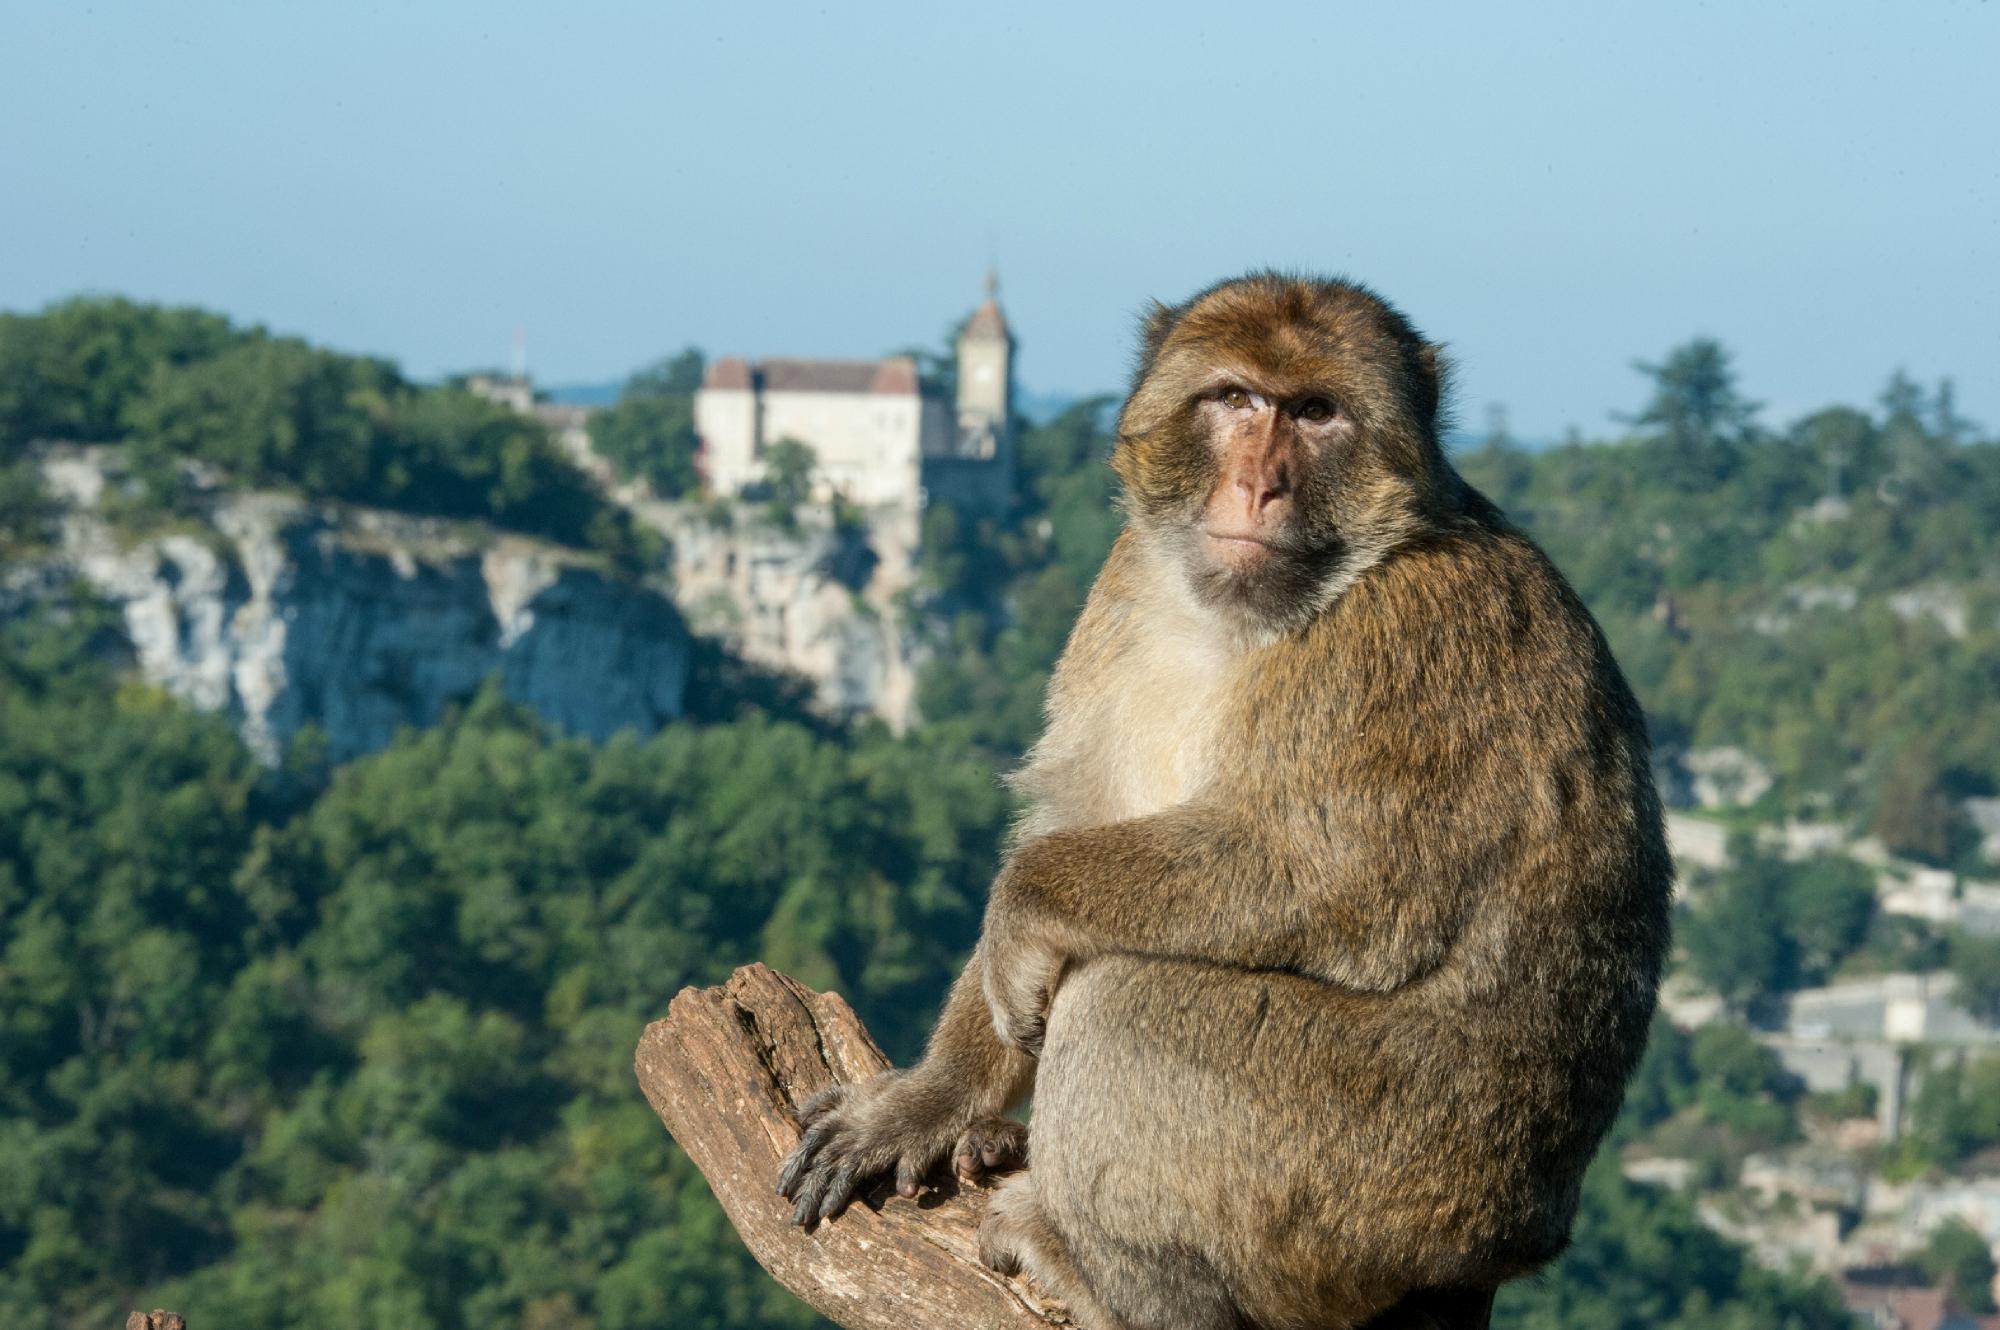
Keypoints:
pixel 819 598
pixel 285 613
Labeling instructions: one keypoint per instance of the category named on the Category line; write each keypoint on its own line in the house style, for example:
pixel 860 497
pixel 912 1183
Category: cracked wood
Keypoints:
pixel 725 1071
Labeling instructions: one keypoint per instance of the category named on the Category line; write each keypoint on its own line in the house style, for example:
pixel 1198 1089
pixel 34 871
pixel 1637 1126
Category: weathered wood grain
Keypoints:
pixel 725 1071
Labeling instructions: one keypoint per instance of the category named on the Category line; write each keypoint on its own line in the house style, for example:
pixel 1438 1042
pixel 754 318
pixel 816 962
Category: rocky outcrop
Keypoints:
pixel 286 614
pixel 819 598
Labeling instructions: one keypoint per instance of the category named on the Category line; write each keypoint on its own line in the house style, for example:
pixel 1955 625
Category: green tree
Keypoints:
pixel 677 375
pixel 1012 591
pixel 1957 1259
pixel 1844 445
pixel 1915 813
pixel 1696 409
pixel 1735 937
pixel 1741 1085
pixel 271 411
pixel 1663 1084
pixel 649 433
pixel 1829 905
pixel 1768 925
pixel 1919 437
pixel 1954 1113
pixel 71 371
pixel 26 511
pixel 788 474
pixel 1975 963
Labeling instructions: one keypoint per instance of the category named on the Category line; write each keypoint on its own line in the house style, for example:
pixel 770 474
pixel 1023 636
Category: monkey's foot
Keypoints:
pixel 1013 1227
pixel 1016 1238
pixel 990 1146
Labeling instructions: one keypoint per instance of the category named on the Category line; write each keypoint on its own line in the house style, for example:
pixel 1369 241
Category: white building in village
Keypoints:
pixel 878 438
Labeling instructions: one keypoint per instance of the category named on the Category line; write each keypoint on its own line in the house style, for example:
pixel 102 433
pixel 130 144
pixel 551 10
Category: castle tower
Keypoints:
pixel 986 380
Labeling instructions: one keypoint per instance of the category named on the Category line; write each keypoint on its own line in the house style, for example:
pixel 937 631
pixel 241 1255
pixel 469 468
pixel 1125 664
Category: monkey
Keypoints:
pixel 1331 929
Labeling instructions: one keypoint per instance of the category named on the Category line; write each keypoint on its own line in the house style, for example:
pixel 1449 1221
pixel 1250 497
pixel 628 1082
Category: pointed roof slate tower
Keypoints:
pixel 985 378
pixel 987 322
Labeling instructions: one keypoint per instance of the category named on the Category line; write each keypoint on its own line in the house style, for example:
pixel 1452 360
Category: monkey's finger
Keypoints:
pixel 792 1169
pixel 801 1159
pixel 909 1175
pixel 838 1194
pixel 811 1193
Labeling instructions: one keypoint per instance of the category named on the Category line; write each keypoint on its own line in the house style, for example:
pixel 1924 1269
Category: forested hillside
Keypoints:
pixel 284 1050
pixel 352 1046
pixel 1826 595
pixel 184 385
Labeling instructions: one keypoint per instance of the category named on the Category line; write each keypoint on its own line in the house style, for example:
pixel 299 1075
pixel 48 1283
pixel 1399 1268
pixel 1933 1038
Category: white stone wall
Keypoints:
pixel 868 445
pixel 983 391
pixel 726 420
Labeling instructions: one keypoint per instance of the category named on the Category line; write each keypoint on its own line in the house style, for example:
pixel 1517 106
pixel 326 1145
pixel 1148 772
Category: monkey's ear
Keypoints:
pixel 1154 327
pixel 1433 375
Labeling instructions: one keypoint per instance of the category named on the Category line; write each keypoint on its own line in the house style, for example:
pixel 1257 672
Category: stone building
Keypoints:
pixel 879 439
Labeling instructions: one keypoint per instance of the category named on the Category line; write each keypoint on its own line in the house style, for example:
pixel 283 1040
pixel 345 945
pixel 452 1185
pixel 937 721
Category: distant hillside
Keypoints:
pixel 259 411
pixel 1824 597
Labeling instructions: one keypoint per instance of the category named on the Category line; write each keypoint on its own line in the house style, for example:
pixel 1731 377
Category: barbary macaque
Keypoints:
pixel 1331 931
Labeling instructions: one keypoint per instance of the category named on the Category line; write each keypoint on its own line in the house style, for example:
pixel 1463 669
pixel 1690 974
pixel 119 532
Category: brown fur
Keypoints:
pixel 1333 927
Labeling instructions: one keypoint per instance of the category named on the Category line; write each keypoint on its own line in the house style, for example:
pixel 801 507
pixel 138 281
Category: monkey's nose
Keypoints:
pixel 1259 491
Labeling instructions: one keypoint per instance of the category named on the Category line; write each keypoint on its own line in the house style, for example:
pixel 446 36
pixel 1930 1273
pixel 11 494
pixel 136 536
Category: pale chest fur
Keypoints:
pixel 1133 718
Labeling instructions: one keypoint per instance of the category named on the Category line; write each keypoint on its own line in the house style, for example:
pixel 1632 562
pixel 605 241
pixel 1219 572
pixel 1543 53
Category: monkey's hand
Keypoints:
pixel 898 1122
pixel 1023 966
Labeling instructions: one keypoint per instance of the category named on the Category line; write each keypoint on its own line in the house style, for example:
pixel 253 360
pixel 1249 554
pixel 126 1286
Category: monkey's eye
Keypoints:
pixel 1235 398
pixel 1316 409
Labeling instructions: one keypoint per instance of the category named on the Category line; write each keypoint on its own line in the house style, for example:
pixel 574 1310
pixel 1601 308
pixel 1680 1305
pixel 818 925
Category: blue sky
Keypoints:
pixel 1554 190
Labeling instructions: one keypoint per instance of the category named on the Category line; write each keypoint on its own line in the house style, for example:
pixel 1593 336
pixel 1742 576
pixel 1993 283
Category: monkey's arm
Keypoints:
pixel 1339 895
pixel 904 1122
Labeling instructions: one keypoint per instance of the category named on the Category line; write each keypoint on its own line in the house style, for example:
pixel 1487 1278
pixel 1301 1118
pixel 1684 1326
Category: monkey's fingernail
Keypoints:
pixel 908 1189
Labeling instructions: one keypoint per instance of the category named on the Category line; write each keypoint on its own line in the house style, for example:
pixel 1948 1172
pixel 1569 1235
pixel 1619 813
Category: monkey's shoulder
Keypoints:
pixel 1470 647
pixel 1482 600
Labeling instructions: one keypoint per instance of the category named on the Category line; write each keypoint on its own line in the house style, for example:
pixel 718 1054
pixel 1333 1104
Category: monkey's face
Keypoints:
pixel 1280 438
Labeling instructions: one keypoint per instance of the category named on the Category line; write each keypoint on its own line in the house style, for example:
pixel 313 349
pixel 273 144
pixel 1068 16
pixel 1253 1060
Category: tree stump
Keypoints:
pixel 726 1071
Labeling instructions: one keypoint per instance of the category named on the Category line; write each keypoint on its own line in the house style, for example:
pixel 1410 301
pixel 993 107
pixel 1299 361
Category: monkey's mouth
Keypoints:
pixel 1238 549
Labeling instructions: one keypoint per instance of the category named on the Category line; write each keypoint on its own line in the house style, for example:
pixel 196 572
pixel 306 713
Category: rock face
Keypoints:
pixel 286 614
pixel 819 599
